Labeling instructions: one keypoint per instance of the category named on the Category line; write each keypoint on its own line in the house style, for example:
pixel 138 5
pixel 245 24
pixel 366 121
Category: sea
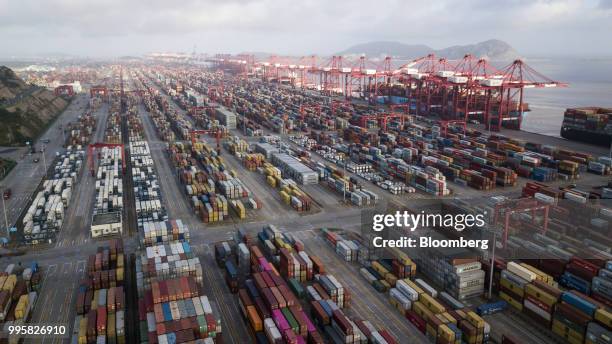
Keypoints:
pixel 589 84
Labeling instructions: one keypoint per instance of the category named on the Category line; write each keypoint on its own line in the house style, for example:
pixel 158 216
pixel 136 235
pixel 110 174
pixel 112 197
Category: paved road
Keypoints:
pixel 26 176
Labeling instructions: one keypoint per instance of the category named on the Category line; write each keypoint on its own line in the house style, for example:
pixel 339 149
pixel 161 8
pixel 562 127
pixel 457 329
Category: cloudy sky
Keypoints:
pixel 300 27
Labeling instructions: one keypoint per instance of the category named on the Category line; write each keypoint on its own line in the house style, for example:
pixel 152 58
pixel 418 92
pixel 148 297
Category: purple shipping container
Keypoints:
pixel 264 264
pixel 309 325
pixel 280 320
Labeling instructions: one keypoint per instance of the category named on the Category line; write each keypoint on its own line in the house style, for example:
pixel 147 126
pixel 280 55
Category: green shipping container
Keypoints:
pixel 143 332
pixel 202 324
pixel 291 320
pixel 296 287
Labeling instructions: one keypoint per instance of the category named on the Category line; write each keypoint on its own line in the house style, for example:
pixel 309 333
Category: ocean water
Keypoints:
pixel 590 84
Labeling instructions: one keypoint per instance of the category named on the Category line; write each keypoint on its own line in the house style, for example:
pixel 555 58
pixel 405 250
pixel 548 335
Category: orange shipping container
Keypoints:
pixel 254 319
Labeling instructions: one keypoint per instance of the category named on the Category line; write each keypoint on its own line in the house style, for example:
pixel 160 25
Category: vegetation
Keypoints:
pixel 6 165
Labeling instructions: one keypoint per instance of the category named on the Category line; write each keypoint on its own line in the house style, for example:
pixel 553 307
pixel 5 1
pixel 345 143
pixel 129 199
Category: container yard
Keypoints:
pixel 236 199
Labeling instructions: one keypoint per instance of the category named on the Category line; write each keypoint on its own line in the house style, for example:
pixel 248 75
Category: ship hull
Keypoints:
pixel 595 138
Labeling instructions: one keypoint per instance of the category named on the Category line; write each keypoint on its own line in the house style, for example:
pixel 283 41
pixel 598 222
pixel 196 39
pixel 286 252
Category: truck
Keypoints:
pixel 7 194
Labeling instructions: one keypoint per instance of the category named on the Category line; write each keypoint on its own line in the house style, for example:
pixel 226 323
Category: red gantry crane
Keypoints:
pixel 504 210
pixel 216 132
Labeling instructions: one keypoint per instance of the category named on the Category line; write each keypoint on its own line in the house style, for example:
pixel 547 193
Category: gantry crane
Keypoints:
pixel 452 90
pixel 217 132
pixel 444 124
pixel 504 210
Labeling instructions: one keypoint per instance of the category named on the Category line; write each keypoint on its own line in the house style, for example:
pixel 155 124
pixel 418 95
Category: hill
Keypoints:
pixel 493 49
pixel 25 110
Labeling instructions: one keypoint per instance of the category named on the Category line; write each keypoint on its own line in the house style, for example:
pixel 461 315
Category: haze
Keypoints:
pixel 116 28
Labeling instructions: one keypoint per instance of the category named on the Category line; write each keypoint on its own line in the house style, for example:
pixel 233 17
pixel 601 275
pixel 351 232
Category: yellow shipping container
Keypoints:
pixel 431 304
pixel 518 291
pixel 285 197
pixel 421 310
pixel 22 306
pixel 540 275
pixel 449 317
pixel 442 318
pixel 271 181
pixel 9 283
pixel 413 286
pixel 379 268
pixel 514 303
pixel 391 279
pixel 446 333
pixel 475 319
pixel 83 331
pixel 604 317
pixel 540 295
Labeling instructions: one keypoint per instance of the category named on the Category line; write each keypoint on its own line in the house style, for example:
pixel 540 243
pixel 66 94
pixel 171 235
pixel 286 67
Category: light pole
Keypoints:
pixel 5 217
pixel 492 266
pixel 44 160
pixel 344 183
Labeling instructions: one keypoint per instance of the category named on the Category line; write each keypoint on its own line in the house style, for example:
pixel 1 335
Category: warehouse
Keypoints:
pixel 293 168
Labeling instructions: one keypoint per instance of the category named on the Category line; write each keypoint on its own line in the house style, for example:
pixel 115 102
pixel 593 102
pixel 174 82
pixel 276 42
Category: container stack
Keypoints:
pixel 163 232
pixel 455 270
pixel 172 306
pixel 162 261
pixel 18 293
pixel 215 189
pixel 513 281
pixel 45 215
pixel 253 161
pixel 112 134
pixel 295 169
pixel 417 301
pixel 572 316
pixel 539 301
pixel 100 303
pixel 147 193
pixel 108 203
pixel 79 133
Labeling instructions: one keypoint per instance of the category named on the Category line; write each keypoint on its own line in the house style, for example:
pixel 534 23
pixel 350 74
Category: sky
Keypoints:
pixel 121 27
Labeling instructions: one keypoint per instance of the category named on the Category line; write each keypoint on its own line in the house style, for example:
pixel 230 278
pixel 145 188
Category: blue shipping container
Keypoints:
pixel 580 303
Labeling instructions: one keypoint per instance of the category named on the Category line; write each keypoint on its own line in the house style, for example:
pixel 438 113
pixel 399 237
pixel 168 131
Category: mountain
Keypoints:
pixel 25 110
pixel 385 48
pixel 493 49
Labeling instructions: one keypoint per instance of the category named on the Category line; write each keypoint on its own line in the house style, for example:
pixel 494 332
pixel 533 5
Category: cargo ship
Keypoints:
pixel 588 124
